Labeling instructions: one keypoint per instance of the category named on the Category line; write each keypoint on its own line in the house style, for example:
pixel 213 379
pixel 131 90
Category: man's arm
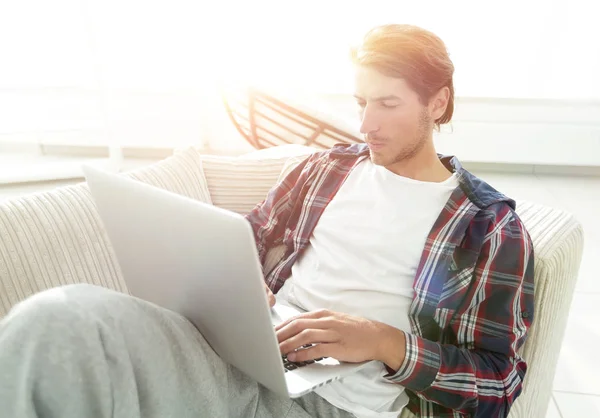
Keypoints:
pixel 484 375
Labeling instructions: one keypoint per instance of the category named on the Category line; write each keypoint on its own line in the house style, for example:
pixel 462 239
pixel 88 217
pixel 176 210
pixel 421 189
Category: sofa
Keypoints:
pixel 56 238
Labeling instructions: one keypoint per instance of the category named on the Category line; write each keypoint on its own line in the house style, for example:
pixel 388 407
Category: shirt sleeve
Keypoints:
pixel 483 375
pixel 270 218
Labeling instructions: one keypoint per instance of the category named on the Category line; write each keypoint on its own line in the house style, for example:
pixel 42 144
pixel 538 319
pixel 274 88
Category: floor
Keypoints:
pixel 577 381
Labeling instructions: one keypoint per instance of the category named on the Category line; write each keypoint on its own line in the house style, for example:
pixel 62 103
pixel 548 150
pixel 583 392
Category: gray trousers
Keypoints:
pixel 84 351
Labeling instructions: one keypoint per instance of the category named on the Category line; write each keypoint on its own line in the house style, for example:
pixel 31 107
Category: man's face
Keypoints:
pixel 395 124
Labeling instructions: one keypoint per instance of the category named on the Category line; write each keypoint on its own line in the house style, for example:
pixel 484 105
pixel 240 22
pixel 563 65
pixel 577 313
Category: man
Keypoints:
pixel 436 259
pixel 398 255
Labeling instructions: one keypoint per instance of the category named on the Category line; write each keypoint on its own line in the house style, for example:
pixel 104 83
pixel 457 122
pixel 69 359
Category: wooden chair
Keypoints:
pixel 265 121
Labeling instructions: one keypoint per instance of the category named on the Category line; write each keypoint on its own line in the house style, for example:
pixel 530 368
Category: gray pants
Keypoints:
pixel 84 351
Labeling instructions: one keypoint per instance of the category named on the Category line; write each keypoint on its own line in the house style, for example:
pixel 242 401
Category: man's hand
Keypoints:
pixel 341 336
pixel 270 296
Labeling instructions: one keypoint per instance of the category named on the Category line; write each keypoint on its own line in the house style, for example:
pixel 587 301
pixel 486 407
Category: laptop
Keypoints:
pixel 201 261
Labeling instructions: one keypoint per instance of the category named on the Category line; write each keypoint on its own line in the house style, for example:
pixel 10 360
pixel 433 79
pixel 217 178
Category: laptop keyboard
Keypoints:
pixel 289 365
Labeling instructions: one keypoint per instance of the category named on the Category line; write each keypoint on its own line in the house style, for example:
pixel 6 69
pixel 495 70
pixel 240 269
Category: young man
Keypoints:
pixel 398 254
pixel 436 259
pixel 419 264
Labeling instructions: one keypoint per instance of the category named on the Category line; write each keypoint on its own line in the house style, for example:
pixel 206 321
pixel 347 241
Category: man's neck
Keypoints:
pixel 424 166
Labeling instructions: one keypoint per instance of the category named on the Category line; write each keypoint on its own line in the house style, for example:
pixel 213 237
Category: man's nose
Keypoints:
pixel 369 123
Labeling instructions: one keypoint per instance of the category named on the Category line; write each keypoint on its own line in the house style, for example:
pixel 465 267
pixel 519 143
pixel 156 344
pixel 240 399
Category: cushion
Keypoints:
pixel 56 238
pixel 240 183
pixel 181 173
pixel 289 166
pixel 281 151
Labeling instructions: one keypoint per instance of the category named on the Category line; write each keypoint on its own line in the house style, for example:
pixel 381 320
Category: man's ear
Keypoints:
pixel 439 103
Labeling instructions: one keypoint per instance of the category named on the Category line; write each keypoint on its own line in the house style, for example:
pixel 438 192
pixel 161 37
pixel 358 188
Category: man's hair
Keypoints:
pixel 413 54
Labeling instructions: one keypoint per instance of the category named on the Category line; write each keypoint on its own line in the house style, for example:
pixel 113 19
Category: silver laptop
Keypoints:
pixel 201 261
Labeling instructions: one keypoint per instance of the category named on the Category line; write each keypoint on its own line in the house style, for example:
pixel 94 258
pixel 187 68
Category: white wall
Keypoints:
pixel 142 73
pixel 513 131
pixel 539 132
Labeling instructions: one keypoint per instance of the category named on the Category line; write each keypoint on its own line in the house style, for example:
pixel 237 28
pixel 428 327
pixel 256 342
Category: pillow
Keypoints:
pixel 181 173
pixel 56 237
pixel 240 183
pixel 289 166
pixel 287 150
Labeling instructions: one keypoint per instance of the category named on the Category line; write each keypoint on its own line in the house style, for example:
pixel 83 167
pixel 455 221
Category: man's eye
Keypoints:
pixel 361 104
pixel 389 105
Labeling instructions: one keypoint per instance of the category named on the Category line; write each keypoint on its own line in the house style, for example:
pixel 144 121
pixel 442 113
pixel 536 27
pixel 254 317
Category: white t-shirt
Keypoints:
pixel 362 260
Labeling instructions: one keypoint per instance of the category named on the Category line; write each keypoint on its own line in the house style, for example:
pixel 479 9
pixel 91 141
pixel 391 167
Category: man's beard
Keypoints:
pixel 412 149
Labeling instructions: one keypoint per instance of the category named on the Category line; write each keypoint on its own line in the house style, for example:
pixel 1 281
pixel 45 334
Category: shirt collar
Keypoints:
pixel 477 190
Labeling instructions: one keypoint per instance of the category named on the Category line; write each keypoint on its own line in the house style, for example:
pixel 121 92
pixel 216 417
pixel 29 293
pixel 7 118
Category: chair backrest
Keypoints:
pixel 266 121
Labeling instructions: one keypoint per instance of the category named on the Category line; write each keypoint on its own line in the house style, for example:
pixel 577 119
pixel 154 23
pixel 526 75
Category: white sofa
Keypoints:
pixel 56 238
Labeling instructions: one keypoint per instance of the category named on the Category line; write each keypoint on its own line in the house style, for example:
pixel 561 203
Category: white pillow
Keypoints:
pixel 180 173
pixel 56 237
pixel 240 183
pixel 289 165
pixel 281 151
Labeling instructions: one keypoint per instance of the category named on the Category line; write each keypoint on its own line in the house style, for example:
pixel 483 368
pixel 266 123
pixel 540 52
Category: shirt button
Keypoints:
pixel 525 314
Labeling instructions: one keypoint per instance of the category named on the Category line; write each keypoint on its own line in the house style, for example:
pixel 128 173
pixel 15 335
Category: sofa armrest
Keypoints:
pixel 558 245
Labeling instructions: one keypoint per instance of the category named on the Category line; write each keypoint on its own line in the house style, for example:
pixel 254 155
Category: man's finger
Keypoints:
pixel 270 296
pixel 308 336
pixel 321 313
pixel 297 326
pixel 314 352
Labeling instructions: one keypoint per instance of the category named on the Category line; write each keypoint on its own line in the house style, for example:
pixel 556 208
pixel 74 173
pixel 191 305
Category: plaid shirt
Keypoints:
pixel 473 290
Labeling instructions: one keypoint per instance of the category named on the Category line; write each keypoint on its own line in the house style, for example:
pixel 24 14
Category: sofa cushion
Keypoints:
pixel 181 173
pixel 290 164
pixel 56 238
pixel 240 183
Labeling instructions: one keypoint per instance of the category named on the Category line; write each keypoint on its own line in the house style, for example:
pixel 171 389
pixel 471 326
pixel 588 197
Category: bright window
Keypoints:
pixel 99 70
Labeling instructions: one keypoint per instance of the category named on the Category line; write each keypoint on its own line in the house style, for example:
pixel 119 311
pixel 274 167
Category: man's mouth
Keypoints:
pixel 375 145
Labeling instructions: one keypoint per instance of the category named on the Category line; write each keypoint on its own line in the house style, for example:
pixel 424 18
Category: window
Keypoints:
pixel 142 74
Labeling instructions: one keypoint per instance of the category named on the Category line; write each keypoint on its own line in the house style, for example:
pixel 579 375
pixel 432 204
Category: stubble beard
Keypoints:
pixel 410 150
